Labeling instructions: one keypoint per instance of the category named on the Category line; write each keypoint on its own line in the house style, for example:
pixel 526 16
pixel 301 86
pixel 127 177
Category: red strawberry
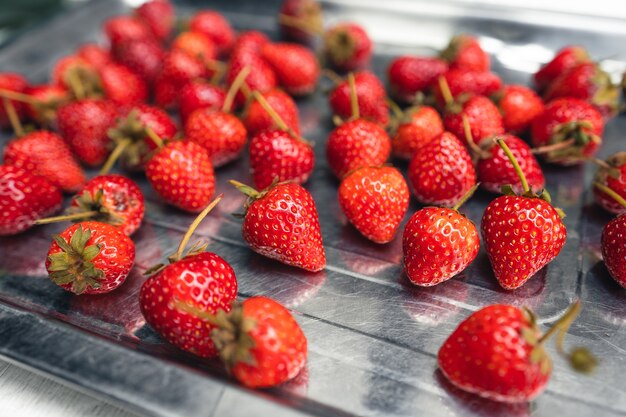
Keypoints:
pixel 257 119
pixel 199 95
pixel 418 126
pixel 197 45
pixel 375 199
pixel 196 279
pixel 46 154
pixel 46 99
pixel 463 83
pixel 371 98
pixel 121 29
pixel 300 20
pixel 16 83
pixel 90 258
pixel 250 41
pixel 94 55
pixel 409 75
pixel 295 66
pixel 122 86
pixel 356 144
pixel 519 106
pixel 613 235
pixel 438 243
pixel 142 56
pixel 158 16
pixel 75 74
pixel 483 116
pixel 214 26
pixel 179 68
pixel 498 353
pixel 464 52
pixel 281 223
pixel 522 233
pixel 24 198
pixel 441 173
pixel 182 174
pixel 84 124
pixel 262 79
pixel 612 174
pixel 587 81
pixel 566 58
pixel 347 46
pixel 569 130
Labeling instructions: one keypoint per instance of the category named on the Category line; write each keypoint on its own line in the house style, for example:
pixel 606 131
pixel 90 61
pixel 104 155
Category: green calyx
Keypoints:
pixel 568 142
pixel 606 95
pixel 456 43
pixel 87 202
pixel 73 265
pixel 252 193
pixel 340 45
pixel 83 82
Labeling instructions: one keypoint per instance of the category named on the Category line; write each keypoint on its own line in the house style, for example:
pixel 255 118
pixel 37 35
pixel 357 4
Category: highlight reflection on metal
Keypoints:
pixel 373 337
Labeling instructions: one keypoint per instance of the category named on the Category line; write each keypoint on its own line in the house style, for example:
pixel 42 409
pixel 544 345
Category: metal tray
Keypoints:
pixel 373 337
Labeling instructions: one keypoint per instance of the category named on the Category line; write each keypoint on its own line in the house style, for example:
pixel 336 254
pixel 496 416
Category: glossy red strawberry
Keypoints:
pixel 371 98
pixel 158 16
pixel 464 52
pixel 409 75
pixel 46 99
pixel 250 41
pixel 482 115
pixel 570 130
pixel 257 119
pixel 296 67
pixel 347 46
pixel 94 54
pixel 142 56
pixel 441 172
pixel 24 198
pixel 182 174
pixel 200 95
pixel 375 199
pixel 612 174
pixel 179 68
pixel 300 20
pixel 464 83
pixel 122 86
pixel 418 126
pixel 120 29
pixel 281 223
pixel 46 154
pixel 16 83
pixel 566 58
pixel 357 143
pixel 215 26
pixel 519 105
pixel 196 45
pixel 613 252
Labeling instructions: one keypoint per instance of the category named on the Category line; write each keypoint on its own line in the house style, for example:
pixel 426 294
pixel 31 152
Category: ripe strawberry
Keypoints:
pixel 519 105
pixel 357 143
pixel 587 81
pixel 24 198
pixel 374 199
pixel 464 83
pixel 371 97
pixel 418 126
pixel 214 26
pixel 213 287
pixel 483 116
pixel 46 154
pixel 281 223
pixel 179 68
pixel 465 53
pixel 142 56
pixel 250 41
pixel 613 235
pixel 498 353
pixel 296 67
pixel 569 130
pixel 409 75
pixel 46 99
pixel 196 45
pixel 84 124
pixel 257 119
pixel 76 75
pixel 94 54
pixel 262 79
pixel 438 243
pixel 612 174
pixel 90 258
pixel 199 95
pixel 119 29
pixel 16 83
pixel 522 233
pixel 347 46
pixel 122 86
pixel 441 173
pixel 181 173
pixel 566 58
pixel 300 20
pixel 158 16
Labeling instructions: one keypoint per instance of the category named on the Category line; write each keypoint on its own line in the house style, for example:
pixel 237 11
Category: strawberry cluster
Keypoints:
pixel 461 127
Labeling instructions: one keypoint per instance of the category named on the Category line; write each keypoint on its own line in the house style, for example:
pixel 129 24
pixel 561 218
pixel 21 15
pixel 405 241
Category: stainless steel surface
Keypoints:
pixel 373 337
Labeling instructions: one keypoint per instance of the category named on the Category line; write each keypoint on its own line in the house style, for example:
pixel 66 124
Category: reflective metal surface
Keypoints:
pixel 373 337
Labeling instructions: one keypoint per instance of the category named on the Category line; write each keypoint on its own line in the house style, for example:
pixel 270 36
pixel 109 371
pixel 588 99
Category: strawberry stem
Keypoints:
pixel 280 123
pixel 119 149
pixel 192 228
pixel 24 98
pixel 234 88
pixel 76 85
pixel 470 139
pixel 445 90
pixel 518 169
pixel 67 217
pixel 354 99
pixel 246 189
pixel 153 136
pixel 610 192
pixel 554 147
pixel 14 119
pixel 331 75
pixel 397 111
pixel 466 197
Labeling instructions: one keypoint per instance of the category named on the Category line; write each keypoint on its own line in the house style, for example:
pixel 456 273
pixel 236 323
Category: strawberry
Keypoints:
pixel 300 20
pixel 45 100
pixel 498 353
pixel 196 45
pixel 94 55
pixel 13 83
pixel 281 223
pixel 90 258
pixel 465 53
pixel 214 26
pixel 566 58
pixel 262 79
pixel 568 131
pixel 46 154
pixel 182 174
pixel 257 119
pixel 212 287
pixel 371 98
pixel 120 29
pixel 179 68
pixel 519 105
pixel 587 81
pixel 465 83
pixel 356 143
pixel 439 243
pixel 613 234
pixel 522 233
pixel 409 75
pixel 24 198
pixel 483 117
pixel 296 67
pixel 418 126
pixel 84 124
pixel 143 56
pixel 250 42
pixel 611 174
pixel 122 86
pixel 374 199
pixel 347 46
pixel 199 95
pixel 75 74
pixel 441 173
pixel 158 16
